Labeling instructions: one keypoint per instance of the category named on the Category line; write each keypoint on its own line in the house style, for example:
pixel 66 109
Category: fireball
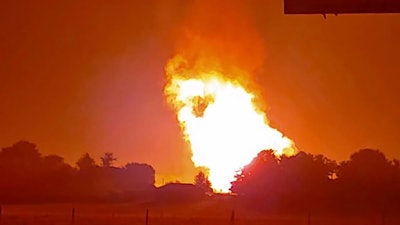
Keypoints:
pixel 220 121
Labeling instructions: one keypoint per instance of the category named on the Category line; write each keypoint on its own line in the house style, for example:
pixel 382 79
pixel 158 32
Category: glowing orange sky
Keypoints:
pixel 89 76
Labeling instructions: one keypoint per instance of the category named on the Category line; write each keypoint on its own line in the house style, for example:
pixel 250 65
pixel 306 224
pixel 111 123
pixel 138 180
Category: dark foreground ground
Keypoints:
pixel 199 214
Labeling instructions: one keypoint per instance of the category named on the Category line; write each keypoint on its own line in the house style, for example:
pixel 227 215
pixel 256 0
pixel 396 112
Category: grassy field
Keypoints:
pixel 203 214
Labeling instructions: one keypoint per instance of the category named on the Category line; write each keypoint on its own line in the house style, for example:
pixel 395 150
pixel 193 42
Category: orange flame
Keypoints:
pixel 206 84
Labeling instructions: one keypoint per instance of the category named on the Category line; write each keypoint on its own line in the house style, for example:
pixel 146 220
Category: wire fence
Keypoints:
pixel 96 216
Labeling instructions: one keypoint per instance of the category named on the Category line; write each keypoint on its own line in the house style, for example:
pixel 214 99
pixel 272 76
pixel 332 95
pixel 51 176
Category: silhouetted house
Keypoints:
pixel 179 192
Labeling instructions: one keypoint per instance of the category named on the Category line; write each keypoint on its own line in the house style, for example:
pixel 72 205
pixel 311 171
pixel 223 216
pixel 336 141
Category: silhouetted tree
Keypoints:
pixel 201 181
pixel 368 180
pixel 21 154
pixel 107 159
pixel 88 179
pixel 140 174
pixel 366 165
pixel 28 176
pixel 135 180
pixel 56 179
pixel 306 180
pixel 297 182
pixel 86 162
pixel 258 179
pixel 20 168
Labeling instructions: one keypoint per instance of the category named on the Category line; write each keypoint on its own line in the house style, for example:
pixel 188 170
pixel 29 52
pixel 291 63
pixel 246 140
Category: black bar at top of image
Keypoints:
pixel 341 6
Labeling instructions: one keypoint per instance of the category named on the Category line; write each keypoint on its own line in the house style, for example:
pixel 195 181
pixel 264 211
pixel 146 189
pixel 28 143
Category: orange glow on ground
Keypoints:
pixel 221 123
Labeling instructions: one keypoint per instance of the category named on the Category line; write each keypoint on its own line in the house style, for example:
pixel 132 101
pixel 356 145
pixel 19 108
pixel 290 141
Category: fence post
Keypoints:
pixel 233 216
pixel 73 216
pixel 147 216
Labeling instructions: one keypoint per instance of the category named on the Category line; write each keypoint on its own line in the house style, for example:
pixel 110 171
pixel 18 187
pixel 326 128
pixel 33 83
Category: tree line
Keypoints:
pixel 368 181
pixel 28 176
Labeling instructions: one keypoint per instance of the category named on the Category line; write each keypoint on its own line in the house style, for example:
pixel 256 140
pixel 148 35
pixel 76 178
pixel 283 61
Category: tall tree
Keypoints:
pixel 107 160
pixel 86 162
pixel 201 181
